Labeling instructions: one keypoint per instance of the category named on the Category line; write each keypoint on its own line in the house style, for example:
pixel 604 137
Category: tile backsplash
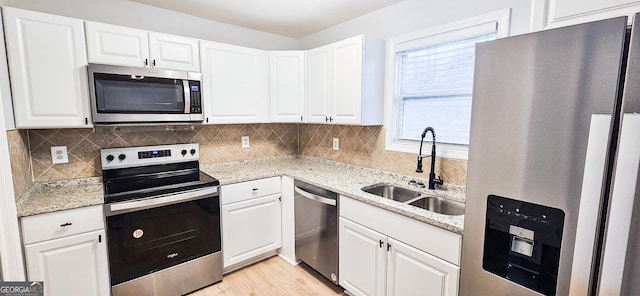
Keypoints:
pixel 20 162
pixel 218 143
pixel 364 146
pixel 359 145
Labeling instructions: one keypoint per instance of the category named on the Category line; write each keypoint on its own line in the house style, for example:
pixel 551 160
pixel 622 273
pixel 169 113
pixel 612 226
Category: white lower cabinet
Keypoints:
pixel 414 272
pixel 363 259
pixel 251 222
pixel 67 250
pixel 383 253
pixel 74 265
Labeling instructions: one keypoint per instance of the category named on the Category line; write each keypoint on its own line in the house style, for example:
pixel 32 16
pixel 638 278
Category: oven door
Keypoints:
pixel 149 235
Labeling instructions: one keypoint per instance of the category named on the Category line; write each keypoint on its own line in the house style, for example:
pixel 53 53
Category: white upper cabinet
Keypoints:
pixel 346 87
pixel 558 13
pixel 318 105
pixel 235 83
pixel 47 67
pixel 116 45
pixel 345 82
pixel 287 85
pixel 174 52
pixel 109 44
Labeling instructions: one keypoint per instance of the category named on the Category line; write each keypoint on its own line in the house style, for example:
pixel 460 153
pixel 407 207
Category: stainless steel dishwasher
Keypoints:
pixel 316 218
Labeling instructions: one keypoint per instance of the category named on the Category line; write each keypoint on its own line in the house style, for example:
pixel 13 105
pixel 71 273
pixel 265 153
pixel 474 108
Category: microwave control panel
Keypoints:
pixel 196 101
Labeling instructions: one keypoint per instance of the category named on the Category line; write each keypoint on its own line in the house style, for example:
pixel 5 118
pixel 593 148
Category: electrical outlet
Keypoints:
pixel 336 144
pixel 59 154
pixel 245 142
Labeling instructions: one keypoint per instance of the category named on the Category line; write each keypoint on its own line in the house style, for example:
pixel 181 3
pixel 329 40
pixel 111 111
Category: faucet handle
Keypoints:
pixel 438 181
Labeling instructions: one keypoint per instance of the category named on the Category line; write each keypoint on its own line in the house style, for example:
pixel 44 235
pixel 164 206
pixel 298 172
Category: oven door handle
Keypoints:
pixel 137 205
pixel 314 197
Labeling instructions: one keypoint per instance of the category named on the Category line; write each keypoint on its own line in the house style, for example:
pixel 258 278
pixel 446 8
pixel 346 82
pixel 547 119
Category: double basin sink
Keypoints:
pixel 430 203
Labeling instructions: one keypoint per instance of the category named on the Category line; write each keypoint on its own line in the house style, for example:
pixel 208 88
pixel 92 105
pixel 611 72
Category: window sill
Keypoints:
pixel 442 150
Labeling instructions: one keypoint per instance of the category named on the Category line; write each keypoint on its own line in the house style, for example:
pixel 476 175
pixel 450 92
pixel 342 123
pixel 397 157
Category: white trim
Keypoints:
pixel 10 248
pixel 5 86
pixel 543 14
pixel 501 17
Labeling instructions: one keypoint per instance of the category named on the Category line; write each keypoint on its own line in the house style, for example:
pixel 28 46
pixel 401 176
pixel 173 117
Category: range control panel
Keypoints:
pixel 114 158
pixel 154 153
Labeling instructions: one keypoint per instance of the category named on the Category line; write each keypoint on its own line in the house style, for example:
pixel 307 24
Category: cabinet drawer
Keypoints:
pixel 249 190
pixel 63 223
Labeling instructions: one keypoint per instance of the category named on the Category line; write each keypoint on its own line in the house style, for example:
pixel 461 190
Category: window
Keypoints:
pixel 433 83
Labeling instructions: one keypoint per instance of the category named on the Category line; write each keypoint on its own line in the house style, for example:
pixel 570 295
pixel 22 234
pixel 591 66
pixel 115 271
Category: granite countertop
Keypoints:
pixel 342 178
pixel 49 197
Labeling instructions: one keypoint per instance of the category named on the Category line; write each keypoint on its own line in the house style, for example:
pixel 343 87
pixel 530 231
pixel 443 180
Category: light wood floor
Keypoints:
pixel 273 276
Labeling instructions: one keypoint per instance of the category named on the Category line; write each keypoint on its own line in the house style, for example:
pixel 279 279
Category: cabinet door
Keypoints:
pixel 287 81
pixel 235 83
pixel 250 228
pixel 47 65
pixel 174 52
pixel 414 272
pixel 73 265
pixel 362 264
pixel 347 81
pixel 116 45
pixel 318 85
pixel 558 13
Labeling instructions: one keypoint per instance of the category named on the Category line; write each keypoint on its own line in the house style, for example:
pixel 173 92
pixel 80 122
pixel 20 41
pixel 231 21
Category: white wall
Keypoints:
pixel 414 15
pixel 136 15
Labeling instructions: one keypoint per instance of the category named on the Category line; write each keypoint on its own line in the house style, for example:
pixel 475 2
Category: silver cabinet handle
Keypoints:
pixel 314 197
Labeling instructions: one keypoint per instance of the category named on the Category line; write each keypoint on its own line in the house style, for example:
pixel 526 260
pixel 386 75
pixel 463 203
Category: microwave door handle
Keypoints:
pixel 187 96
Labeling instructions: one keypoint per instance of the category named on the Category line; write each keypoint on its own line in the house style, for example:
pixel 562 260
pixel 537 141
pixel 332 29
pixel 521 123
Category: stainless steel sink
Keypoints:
pixel 392 192
pixel 430 203
pixel 439 205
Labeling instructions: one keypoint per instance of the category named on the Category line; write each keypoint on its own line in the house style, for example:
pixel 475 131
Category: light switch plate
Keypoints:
pixel 245 142
pixel 336 144
pixel 59 154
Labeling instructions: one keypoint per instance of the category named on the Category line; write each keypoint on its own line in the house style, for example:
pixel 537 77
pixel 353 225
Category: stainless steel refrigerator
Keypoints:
pixel 553 164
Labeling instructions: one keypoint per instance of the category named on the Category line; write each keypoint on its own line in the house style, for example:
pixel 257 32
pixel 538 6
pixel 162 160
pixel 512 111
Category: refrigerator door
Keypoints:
pixel 533 102
pixel 620 267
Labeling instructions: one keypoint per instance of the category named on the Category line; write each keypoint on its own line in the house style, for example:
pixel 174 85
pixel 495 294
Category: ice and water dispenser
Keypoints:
pixel 522 243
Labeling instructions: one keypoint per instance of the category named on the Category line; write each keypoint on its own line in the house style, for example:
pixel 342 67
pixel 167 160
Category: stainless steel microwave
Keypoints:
pixel 121 95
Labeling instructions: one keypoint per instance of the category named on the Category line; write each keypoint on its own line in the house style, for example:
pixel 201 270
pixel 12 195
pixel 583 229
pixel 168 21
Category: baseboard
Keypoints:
pixel 292 262
pixel 249 262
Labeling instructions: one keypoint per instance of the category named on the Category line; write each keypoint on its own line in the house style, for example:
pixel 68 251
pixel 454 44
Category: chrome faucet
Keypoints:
pixel 432 176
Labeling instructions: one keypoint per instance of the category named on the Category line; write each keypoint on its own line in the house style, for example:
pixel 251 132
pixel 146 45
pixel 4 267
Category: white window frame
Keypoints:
pixel 502 20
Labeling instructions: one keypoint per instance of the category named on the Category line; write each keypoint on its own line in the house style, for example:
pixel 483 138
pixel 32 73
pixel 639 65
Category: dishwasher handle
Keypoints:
pixel 315 197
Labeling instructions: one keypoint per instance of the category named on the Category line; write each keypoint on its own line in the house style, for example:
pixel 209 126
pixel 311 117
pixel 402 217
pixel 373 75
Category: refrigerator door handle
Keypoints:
pixel 591 194
pixel 625 181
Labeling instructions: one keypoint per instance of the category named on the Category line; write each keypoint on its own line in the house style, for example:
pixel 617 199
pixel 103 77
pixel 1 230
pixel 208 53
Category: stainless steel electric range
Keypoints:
pixel 163 220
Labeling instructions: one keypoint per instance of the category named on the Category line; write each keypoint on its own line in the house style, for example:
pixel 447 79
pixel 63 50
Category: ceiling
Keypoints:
pixel 292 18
